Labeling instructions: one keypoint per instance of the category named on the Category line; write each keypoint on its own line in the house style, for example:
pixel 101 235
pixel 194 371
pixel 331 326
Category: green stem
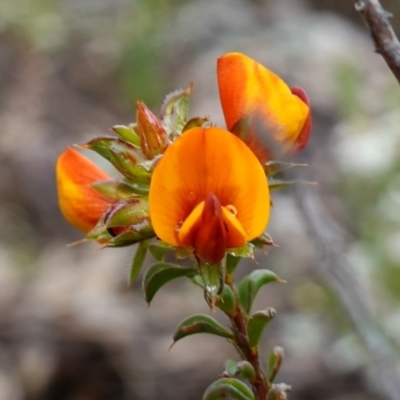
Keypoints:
pixel 248 353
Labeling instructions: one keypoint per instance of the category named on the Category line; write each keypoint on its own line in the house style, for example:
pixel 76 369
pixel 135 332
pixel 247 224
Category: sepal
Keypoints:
pixel 175 110
pixel 125 157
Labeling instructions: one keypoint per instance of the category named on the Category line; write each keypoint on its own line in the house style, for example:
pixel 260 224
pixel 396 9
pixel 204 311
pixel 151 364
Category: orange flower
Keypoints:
pixel 81 205
pixel 208 192
pixel 255 100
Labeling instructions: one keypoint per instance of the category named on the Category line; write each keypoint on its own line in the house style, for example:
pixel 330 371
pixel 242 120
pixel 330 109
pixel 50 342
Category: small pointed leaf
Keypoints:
pixel 138 260
pixel 250 285
pixel 130 235
pixel 159 250
pixel 125 157
pixel 246 251
pixel 127 133
pixel 231 263
pixel 114 190
pixel 228 388
pixel 245 370
pixel 201 323
pixel 257 323
pixel 264 240
pixel 275 362
pixel 161 273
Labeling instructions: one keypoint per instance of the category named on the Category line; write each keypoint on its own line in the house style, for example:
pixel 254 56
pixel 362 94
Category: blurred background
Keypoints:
pixel 69 326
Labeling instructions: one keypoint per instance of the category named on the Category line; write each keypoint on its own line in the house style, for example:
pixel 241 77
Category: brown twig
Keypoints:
pixel 382 33
pixel 239 324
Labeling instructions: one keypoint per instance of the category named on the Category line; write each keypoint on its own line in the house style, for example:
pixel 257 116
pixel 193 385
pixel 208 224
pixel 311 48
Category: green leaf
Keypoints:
pixel 114 190
pixel 242 369
pixel 257 323
pixel 275 362
pixel 246 251
pixel 127 133
pixel 245 370
pixel 126 213
pixel 131 235
pixel 159 250
pixel 251 284
pixel 201 323
pixel 161 273
pixel 231 263
pixel 264 240
pixel 138 260
pixel 228 388
pixel 125 157
pixel 225 301
pixel 175 110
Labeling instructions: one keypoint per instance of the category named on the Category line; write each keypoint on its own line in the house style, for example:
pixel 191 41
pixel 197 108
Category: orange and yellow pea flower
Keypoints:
pixel 208 192
pixel 256 100
pixel 81 205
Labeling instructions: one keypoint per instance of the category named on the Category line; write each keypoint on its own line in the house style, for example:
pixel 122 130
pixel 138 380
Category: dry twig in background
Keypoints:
pixel 382 33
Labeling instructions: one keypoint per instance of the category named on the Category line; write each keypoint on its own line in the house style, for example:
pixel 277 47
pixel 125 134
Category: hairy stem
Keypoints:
pixel 248 353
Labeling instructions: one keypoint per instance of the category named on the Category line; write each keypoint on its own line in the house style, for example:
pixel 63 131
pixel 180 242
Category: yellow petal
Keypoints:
pixel 249 90
pixel 204 161
pixel 81 205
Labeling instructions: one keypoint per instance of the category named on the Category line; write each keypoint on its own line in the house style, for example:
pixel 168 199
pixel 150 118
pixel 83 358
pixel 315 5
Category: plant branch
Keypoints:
pixel 382 33
pixel 250 354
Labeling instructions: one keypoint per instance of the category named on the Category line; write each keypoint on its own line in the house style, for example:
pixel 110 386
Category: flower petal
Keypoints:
pixel 204 161
pixel 248 90
pixel 81 205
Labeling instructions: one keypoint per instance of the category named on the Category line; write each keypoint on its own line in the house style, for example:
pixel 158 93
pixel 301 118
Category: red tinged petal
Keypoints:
pixel 257 103
pixel 81 205
pixel 305 132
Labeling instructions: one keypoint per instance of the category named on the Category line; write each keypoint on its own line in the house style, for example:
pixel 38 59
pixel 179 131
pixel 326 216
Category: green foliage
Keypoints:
pixel 159 274
pixel 138 260
pixel 201 323
pixel 127 133
pixel 275 362
pixel 257 323
pixel 228 388
pixel 241 369
pixel 251 284
pixel 125 157
pixel 226 300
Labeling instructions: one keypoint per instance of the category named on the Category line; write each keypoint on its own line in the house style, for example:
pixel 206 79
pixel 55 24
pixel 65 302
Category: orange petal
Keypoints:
pixel 250 91
pixel 204 161
pixel 81 205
